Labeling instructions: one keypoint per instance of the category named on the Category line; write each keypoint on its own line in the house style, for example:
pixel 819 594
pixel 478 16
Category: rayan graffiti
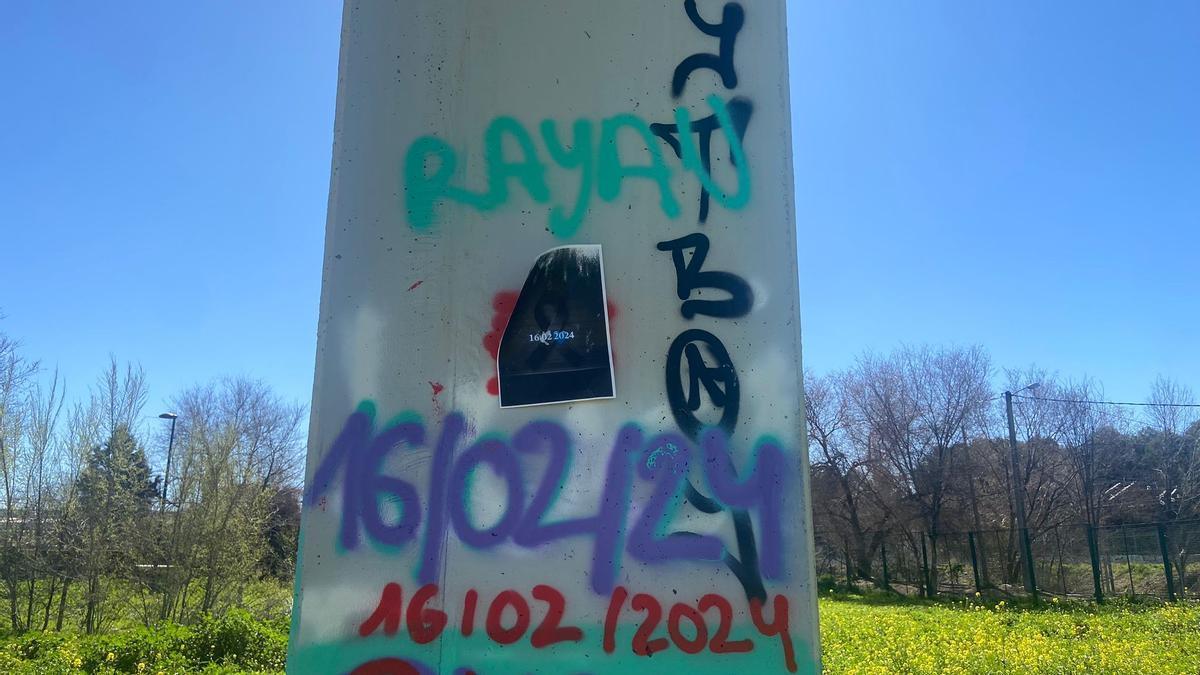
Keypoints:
pixel 431 165
pixel 369 494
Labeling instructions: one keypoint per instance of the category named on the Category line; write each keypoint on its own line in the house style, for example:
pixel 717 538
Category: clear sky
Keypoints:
pixel 1021 175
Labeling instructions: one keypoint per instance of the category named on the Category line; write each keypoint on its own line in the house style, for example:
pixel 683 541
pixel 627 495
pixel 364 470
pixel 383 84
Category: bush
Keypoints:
pixel 237 639
pixel 234 643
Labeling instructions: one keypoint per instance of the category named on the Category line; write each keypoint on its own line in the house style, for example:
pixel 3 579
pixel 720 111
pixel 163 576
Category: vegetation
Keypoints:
pixel 110 517
pixel 130 544
pixel 233 643
pixel 913 446
pixel 860 634
pixel 870 635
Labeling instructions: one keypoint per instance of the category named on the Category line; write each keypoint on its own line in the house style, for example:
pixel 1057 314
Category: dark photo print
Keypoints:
pixel 555 348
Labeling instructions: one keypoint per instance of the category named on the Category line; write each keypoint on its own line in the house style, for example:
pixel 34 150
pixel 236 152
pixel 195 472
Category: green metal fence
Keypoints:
pixel 1071 561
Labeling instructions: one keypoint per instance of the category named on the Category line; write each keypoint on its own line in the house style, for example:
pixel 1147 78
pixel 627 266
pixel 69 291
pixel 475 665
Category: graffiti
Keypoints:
pixel 396 666
pixel 431 165
pixel 503 304
pixel 689 277
pixel 719 381
pixel 664 529
pixel 510 616
pixel 368 493
pixel 732 18
pixel 740 112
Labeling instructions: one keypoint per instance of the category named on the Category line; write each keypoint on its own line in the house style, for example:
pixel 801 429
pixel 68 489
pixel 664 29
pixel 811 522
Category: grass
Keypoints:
pixel 869 635
pixel 872 633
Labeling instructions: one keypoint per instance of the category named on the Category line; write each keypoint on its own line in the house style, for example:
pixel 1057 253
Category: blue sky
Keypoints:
pixel 1024 175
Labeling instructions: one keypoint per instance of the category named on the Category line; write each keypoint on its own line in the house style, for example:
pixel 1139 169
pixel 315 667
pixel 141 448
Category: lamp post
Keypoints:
pixel 1019 495
pixel 162 503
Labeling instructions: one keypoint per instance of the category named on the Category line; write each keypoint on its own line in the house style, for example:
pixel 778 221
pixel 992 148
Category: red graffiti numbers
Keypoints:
pixel 551 631
pixel 615 603
pixel 468 617
pixel 679 613
pixel 688 627
pixel 495 628
pixel 510 615
pixel 779 626
pixel 720 642
pixel 388 612
pixel 425 624
pixel 507 620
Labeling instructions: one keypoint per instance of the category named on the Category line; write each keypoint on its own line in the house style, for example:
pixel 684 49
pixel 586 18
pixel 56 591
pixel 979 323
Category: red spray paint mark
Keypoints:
pixel 437 388
pixel 418 283
pixel 503 304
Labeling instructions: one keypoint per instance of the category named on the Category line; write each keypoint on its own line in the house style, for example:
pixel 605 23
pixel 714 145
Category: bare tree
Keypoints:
pixel 841 467
pixel 1168 406
pixel 915 405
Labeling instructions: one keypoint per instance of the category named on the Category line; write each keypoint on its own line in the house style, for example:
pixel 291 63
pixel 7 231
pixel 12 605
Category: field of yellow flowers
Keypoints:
pixel 864 636
pixel 872 634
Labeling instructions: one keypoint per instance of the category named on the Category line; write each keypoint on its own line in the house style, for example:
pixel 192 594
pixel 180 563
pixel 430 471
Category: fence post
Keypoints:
pixel 887 583
pixel 1030 575
pixel 1166 558
pixel 1094 552
pixel 849 571
pixel 974 562
pixel 928 585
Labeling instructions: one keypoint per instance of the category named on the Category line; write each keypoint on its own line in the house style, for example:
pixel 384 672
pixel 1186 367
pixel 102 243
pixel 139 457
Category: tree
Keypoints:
pixel 841 470
pixel 116 496
pixel 238 447
pixel 915 405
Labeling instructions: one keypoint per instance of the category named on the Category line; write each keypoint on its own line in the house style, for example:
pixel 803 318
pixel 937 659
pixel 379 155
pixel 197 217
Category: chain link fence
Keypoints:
pixel 1142 560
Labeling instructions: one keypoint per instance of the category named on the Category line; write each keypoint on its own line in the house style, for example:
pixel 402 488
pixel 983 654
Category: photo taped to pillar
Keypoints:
pixel 556 346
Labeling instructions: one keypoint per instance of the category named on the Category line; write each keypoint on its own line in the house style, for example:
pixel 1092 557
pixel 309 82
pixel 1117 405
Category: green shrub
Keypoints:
pixel 237 639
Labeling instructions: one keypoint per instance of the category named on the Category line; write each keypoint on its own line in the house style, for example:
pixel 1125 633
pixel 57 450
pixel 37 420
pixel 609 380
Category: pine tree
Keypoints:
pixel 116 493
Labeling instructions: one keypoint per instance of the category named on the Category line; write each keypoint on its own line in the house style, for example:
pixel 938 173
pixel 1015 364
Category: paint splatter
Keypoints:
pixel 436 386
pixel 418 283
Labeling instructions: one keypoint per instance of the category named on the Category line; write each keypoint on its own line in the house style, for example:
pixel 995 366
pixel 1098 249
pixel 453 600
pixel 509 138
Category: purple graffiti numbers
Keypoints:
pixel 667 459
pixel 761 490
pixel 435 527
pixel 504 462
pixel 387 510
pixel 372 485
pixel 532 530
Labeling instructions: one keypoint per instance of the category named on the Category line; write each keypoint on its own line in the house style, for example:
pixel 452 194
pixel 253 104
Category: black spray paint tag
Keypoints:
pixel 556 347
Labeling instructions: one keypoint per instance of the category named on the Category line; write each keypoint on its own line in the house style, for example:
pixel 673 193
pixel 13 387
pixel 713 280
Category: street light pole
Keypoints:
pixel 1019 500
pixel 162 502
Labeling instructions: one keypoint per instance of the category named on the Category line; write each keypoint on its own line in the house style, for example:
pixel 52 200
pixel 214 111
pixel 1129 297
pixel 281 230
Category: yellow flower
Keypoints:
pixel 111 657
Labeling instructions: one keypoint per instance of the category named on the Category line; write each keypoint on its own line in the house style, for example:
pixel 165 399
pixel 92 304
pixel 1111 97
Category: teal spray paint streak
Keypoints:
pixel 431 164
pixel 565 226
pixel 612 173
pixel 691 156
pixel 487 658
